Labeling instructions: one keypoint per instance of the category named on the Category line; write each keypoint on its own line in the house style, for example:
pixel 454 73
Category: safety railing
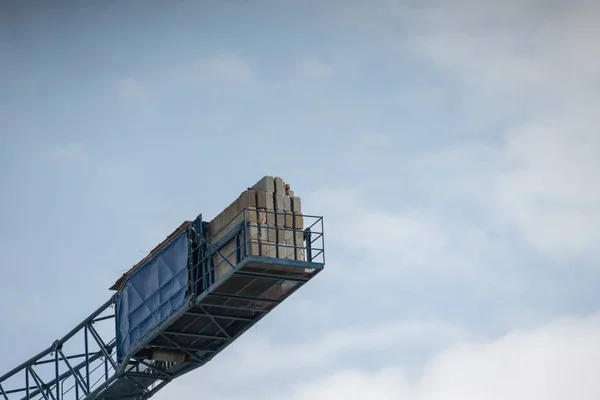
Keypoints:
pixel 293 239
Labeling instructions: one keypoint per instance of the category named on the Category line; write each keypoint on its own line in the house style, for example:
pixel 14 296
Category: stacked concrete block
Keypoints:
pixel 290 223
pixel 276 224
pixel 247 202
pixel 243 207
pixel 270 191
pixel 266 221
pixel 283 221
pixel 274 215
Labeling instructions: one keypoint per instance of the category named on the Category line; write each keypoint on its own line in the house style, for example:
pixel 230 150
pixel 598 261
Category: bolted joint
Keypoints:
pixel 57 345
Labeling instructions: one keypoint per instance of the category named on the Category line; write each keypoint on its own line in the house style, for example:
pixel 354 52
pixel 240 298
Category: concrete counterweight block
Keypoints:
pixel 299 245
pixel 285 244
pixel 266 184
pixel 298 221
pixel 279 185
pixel 296 204
pixel 264 204
pixel 272 212
pixel 253 240
pixel 225 260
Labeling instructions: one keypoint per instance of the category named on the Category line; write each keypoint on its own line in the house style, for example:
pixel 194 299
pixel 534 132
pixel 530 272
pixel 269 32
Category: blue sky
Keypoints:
pixel 450 146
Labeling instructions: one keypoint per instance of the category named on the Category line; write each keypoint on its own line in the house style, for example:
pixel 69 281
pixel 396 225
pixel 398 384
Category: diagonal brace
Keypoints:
pixel 76 374
pixel 102 345
pixel 3 393
pixel 39 383
pixel 214 320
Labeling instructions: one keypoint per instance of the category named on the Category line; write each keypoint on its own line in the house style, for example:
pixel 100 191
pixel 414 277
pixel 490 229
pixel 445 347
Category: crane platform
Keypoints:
pixel 171 315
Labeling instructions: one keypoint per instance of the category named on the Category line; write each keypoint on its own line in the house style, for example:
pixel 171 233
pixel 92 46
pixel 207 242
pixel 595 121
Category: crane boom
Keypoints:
pixel 187 301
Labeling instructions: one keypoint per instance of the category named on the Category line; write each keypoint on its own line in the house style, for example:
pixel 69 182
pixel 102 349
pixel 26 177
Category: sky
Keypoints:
pixel 451 147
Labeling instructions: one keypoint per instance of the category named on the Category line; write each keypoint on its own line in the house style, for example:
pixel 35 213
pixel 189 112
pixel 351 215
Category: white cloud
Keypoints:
pixel 406 238
pixel 522 59
pixel 73 151
pixel 549 188
pixel 555 362
pixel 257 357
pixel 311 69
pixel 130 88
pixel 527 67
pixel 513 58
pixel 538 182
pixel 371 141
pixel 224 68
pixel 387 384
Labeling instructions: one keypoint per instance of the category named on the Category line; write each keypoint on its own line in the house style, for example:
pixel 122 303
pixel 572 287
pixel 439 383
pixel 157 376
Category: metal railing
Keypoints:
pixel 292 239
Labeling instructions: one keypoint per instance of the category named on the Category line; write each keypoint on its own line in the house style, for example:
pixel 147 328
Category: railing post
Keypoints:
pixel 308 238
pixel 192 262
pixel 238 250
pixel 244 229
pixel 205 261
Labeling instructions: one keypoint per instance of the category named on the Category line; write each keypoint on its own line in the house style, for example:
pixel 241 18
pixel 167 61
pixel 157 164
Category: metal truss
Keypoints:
pixel 83 366
pixel 72 366
pixel 232 285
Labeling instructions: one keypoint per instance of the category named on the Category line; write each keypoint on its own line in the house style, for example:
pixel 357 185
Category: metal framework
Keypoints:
pixel 230 289
pixel 72 367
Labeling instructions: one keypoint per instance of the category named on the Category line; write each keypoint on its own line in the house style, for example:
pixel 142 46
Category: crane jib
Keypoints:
pixel 182 305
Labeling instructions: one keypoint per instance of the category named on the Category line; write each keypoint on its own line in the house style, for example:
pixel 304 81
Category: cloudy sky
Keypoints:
pixel 450 145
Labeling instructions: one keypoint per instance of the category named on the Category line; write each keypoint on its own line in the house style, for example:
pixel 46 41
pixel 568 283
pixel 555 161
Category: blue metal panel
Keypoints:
pixel 152 293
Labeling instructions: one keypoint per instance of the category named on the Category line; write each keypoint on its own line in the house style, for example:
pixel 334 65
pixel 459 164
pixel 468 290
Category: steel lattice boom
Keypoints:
pixel 79 362
pixel 207 294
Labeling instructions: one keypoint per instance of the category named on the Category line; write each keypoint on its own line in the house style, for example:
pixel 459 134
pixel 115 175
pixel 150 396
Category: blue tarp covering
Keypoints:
pixel 154 292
